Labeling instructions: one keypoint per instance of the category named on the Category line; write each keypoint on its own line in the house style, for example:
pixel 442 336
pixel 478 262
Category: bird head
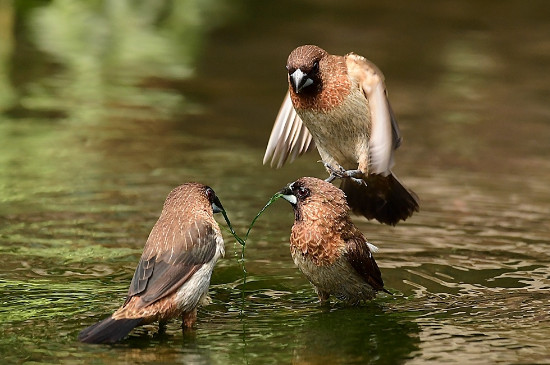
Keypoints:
pixel 217 206
pixel 313 198
pixel 295 193
pixel 303 68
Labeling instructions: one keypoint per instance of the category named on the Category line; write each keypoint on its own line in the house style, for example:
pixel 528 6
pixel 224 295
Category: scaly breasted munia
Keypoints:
pixel 327 247
pixel 174 271
pixel 340 103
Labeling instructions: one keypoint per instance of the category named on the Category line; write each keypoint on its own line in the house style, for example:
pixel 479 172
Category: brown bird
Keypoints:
pixel 174 271
pixel 340 104
pixel 327 247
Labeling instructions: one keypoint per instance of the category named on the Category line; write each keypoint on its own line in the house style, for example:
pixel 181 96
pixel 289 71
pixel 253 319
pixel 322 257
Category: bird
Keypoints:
pixel 327 247
pixel 173 274
pixel 340 105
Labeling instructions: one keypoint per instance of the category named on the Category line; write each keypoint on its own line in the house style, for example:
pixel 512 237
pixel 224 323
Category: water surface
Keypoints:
pixel 106 106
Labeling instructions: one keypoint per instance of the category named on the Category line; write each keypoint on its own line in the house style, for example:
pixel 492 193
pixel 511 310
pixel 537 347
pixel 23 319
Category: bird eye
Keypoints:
pixel 210 194
pixel 302 192
pixel 315 67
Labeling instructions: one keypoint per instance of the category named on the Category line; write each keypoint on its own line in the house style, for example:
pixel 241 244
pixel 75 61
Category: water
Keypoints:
pixel 107 106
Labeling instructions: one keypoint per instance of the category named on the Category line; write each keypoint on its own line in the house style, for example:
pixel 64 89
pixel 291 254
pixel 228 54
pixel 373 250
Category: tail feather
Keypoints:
pixel 384 199
pixel 109 330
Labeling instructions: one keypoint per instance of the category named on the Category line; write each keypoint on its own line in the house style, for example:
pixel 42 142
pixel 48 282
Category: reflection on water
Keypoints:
pixel 6 49
pixel 351 336
pixel 107 105
pixel 495 327
pixel 115 59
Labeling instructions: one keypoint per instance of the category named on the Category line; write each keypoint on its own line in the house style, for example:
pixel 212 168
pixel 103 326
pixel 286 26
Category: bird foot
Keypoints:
pixel 188 319
pixel 162 328
pixel 341 173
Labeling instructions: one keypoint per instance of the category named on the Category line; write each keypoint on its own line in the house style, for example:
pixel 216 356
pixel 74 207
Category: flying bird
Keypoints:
pixel 174 271
pixel 340 105
pixel 327 247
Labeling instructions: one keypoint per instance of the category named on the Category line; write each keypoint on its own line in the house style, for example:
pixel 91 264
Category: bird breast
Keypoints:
pixel 341 134
pixel 319 244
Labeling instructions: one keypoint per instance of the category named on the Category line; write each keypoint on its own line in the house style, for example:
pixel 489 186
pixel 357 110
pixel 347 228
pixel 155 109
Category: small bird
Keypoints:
pixel 174 271
pixel 327 247
pixel 340 105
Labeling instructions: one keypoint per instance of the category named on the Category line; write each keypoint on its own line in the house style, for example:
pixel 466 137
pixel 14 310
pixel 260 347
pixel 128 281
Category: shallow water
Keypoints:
pixel 106 107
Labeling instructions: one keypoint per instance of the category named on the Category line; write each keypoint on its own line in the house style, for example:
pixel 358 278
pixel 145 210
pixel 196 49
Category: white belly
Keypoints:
pixel 189 295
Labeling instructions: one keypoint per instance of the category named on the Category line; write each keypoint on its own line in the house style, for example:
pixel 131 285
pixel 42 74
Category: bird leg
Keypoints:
pixel 323 297
pixel 188 319
pixel 162 327
pixel 341 173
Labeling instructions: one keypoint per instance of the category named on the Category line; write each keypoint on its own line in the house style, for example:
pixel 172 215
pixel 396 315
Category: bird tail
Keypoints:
pixel 384 198
pixel 109 330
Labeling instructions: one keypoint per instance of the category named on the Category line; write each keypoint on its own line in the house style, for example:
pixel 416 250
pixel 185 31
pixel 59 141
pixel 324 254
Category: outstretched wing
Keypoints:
pixel 289 137
pixel 396 133
pixel 385 136
pixel 171 256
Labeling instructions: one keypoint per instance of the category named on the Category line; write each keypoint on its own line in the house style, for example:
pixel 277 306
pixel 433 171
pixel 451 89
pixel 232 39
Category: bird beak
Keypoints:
pixel 217 206
pixel 299 80
pixel 287 195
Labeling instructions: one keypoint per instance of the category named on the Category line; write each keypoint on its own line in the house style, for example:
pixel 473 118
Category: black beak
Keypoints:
pixel 217 206
pixel 286 190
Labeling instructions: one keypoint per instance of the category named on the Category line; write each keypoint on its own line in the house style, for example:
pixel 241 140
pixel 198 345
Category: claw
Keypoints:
pixel 353 173
pixel 355 176
pixel 341 173
pixel 337 173
pixel 333 173
pixel 358 181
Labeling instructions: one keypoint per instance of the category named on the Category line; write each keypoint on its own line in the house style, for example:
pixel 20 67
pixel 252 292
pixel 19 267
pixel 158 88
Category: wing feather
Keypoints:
pixel 289 137
pixel 162 270
pixel 362 260
pixel 381 141
pixel 396 133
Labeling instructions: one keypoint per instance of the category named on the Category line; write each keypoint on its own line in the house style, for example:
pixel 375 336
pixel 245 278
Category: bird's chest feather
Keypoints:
pixel 315 243
pixel 340 132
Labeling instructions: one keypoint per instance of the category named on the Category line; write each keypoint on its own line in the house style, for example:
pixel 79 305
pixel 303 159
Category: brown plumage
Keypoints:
pixel 174 271
pixel 327 247
pixel 340 104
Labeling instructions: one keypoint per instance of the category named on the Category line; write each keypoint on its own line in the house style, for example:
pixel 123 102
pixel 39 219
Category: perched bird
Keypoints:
pixel 340 104
pixel 327 247
pixel 174 271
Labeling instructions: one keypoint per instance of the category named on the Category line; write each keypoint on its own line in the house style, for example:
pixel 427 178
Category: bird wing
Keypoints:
pixel 384 134
pixel 171 256
pixel 289 137
pixel 360 257
pixel 396 133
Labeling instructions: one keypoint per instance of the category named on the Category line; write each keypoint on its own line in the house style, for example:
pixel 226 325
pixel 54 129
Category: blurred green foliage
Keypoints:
pixel 102 58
